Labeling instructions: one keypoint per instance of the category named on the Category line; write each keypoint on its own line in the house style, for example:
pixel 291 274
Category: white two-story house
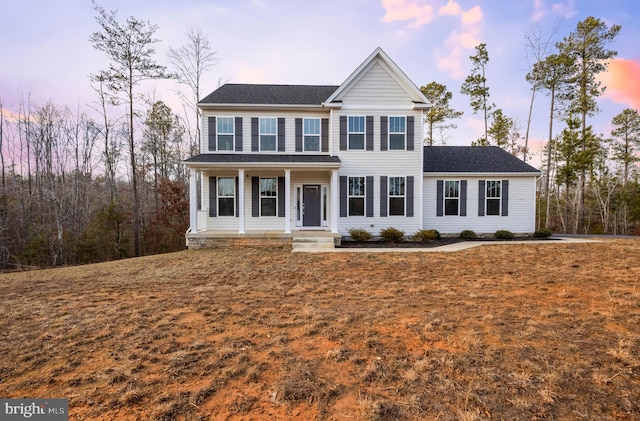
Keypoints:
pixel 280 161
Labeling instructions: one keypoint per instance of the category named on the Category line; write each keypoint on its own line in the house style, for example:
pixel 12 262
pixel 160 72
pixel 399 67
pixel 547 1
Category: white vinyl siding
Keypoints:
pixel 377 86
pixel 522 197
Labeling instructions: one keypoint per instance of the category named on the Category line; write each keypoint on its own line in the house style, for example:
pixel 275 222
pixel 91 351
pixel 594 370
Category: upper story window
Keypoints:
pixel 268 133
pixel 356 196
pixel 396 195
pixel 311 134
pixel 356 131
pixel 451 197
pixel 224 130
pixel 397 133
pixel 226 196
pixel 493 197
pixel 268 196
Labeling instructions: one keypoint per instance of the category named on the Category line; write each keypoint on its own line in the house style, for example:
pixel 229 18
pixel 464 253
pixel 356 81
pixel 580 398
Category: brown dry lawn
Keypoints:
pixel 505 331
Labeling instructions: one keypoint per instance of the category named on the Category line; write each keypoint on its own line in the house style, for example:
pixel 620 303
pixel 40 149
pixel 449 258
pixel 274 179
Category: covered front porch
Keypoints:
pixel 254 198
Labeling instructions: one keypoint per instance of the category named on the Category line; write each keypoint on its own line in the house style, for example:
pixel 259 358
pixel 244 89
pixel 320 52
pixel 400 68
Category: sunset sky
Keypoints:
pixel 45 51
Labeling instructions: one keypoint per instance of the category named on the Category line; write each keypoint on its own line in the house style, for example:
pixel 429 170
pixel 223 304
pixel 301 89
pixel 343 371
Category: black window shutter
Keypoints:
pixel 369 132
pixel 255 135
pixel 324 124
pixel 343 196
pixel 481 195
pixel 505 197
pixel 463 198
pixel 343 132
pixel 410 196
pixel 237 198
pixel 439 197
pixel 281 203
pixel 298 134
pixel 410 133
pixel 238 133
pixel 383 195
pixel 369 196
pixel 255 197
pixel 281 146
pixel 213 197
pixel 212 133
pixel 384 133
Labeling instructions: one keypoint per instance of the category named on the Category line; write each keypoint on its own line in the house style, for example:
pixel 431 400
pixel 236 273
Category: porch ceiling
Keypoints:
pixel 260 160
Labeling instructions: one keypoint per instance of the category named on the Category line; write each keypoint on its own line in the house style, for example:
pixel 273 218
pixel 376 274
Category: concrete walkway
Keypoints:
pixel 462 245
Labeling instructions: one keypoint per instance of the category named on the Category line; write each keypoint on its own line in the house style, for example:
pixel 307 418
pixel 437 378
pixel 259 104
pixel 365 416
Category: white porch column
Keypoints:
pixel 333 221
pixel 193 201
pixel 287 201
pixel 240 201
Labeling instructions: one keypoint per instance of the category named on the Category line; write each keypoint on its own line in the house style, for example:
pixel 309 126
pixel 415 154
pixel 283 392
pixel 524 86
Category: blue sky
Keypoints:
pixel 45 51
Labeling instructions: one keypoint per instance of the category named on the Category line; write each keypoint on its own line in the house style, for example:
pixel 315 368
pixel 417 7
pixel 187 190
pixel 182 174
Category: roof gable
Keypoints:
pixel 379 59
pixel 472 159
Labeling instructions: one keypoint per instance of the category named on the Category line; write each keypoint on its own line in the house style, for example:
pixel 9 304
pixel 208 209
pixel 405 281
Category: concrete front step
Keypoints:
pixel 312 243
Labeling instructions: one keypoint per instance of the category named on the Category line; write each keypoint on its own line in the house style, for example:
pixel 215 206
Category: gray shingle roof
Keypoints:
pixel 472 159
pixel 244 158
pixel 231 93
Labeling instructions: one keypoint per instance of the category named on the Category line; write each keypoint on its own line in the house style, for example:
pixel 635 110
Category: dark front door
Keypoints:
pixel 311 216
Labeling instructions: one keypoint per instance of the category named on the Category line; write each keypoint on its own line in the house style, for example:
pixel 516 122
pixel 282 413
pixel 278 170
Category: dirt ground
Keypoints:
pixel 502 332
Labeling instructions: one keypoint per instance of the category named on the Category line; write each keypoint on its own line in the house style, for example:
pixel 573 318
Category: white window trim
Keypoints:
pixel 363 197
pixel 304 149
pixel 363 133
pixel 233 133
pixel 267 134
pixel 389 133
pixel 404 213
pixel 218 197
pixel 260 197
pixel 445 197
pixel 486 198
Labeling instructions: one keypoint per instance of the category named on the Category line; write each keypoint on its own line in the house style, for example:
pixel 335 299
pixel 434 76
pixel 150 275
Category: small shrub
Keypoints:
pixel 468 235
pixel 504 235
pixel 359 234
pixel 391 235
pixel 542 233
pixel 426 235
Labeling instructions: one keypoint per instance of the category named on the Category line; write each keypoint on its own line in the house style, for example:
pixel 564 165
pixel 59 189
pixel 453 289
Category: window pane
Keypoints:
pixel 493 206
pixel 226 206
pixel 451 189
pixel 356 141
pixel 312 143
pixel 356 186
pixel 356 124
pixel 396 141
pixel 396 124
pixel 224 125
pixel 267 143
pixel 268 187
pixel 493 188
pixel 225 142
pixel 226 186
pixel 356 206
pixel 268 206
pixel 396 206
pixel 450 206
pixel 268 125
pixel 312 126
pixel 396 186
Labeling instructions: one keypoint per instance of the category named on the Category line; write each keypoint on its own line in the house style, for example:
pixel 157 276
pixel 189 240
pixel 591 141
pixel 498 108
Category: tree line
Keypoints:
pixel 107 183
pixel 590 181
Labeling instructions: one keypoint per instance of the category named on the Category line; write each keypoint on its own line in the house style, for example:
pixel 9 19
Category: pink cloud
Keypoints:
pixel 472 16
pixel 451 8
pixel 408 10
pixel 622 81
